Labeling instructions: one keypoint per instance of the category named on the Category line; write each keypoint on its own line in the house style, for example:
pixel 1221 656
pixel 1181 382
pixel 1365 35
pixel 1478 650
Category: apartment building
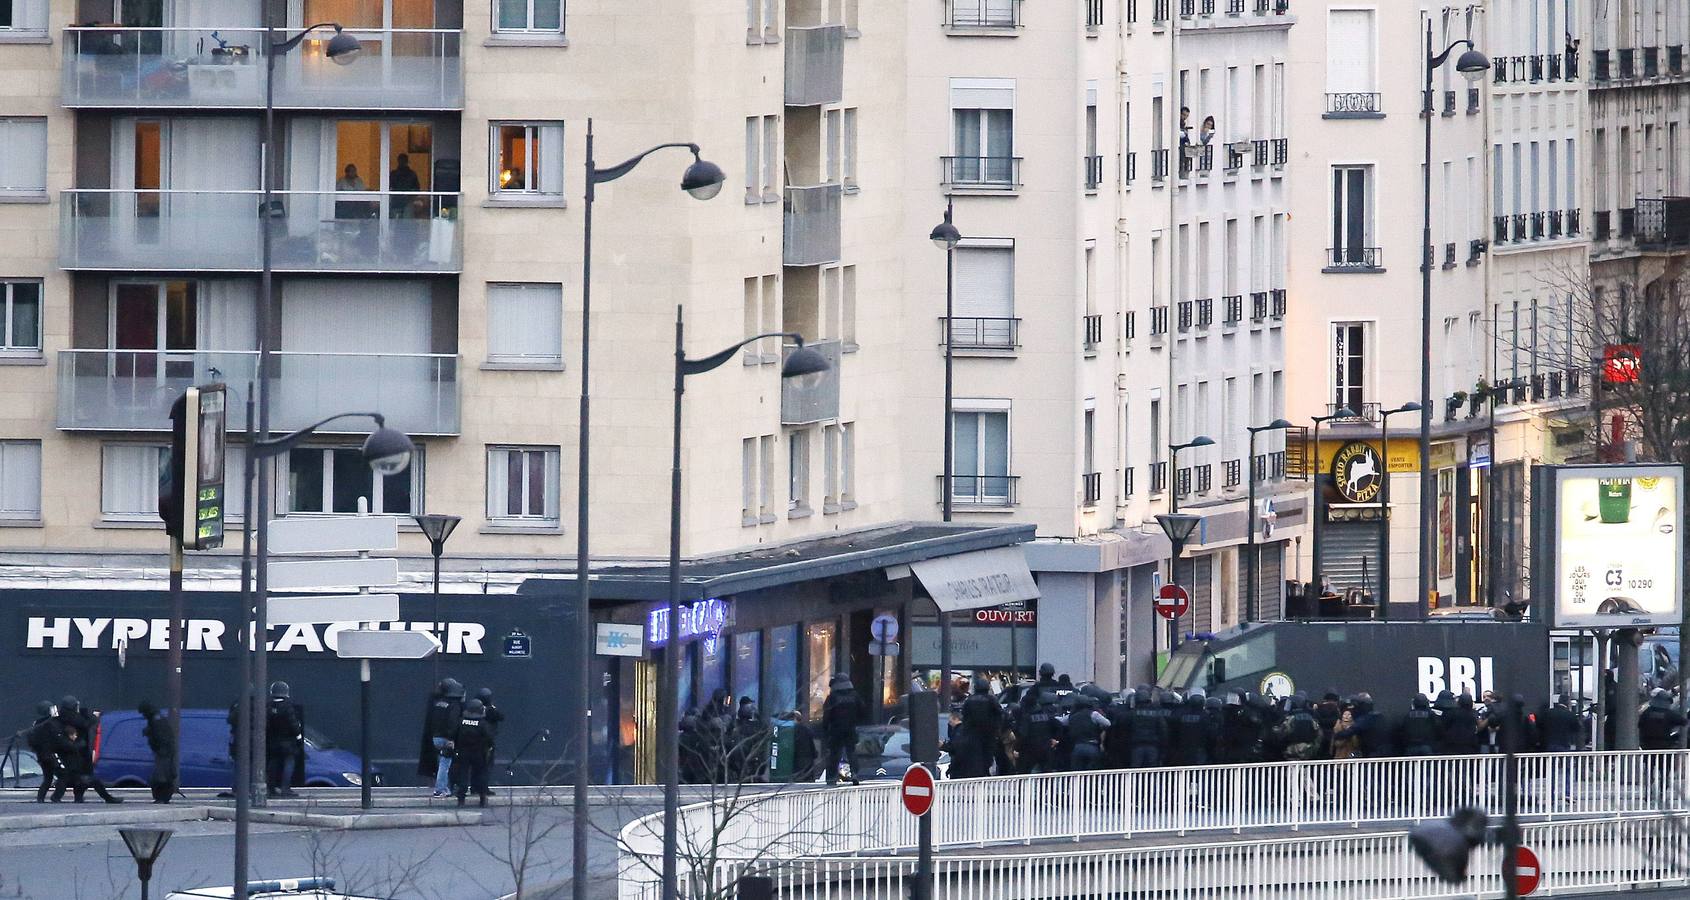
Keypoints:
pixel 1357 120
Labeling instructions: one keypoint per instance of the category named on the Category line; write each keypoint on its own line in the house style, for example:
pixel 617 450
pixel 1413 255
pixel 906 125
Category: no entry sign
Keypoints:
pixel 918 790
pixel 1527 871
pixel 1172 601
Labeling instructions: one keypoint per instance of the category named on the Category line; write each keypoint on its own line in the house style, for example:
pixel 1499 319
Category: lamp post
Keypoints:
pixel 1472 65
pixel 437 528
pixel 802 363
pixel 1201 440
pixel 145 845
pixel 1178 527
pixel 387 452
pixel 945 236
pixel 1342 412
pixel 1385 505
pixel 703 180
pixel 1251 562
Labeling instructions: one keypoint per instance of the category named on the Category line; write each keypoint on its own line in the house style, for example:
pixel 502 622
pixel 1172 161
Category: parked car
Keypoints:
pixel 883 752
pixel 123 759
pixel 282 889
pixel 20 769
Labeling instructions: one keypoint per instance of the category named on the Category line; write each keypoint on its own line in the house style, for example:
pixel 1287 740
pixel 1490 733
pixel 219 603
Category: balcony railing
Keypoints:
pixel 1258 305
pixel 1185 315
pixel 1129 324
pixel 1537 68
pixel 1279 303
pixel 1232 473
pixel 810 231
pixel 1449 255
pixel 1091 488
pixel 1158 320
pixel 990 491
pixel 981 333
pixel 803 401
pixel 1158 477
pixel 1093 325
pixel 1599 65
pixel 1232 309
pixel 1353 104
pixel 983 14
pixel 1281 151
pixel 982 173
pixel 1571 59
pixel 1094 172
pixel 1159 164
pixel 1500 224
pixel 1537 226
pixel 1159 13
pixel 312 231
pixel 1554 223
pixel 815 65
pixel 1517 223
pixel 1663 222
pixel 1356 258
pixel 1573 224
pixel 1205 312
pixel 1449 103
pixel 132 390
pixel 1200 157
pixel 1366 412
pixel 203 68
pixel 1554 61
pixel 1475 250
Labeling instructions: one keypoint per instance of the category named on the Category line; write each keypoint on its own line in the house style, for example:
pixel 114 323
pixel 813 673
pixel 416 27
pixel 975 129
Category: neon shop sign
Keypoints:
pixel 705 619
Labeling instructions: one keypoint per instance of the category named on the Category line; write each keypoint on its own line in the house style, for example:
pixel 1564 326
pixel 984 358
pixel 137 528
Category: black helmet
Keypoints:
pixel 475 708
pixel 68 703
pixel 981 685
pixel 1213 703
pixel 279 690
pixel 452 689
pixel 146 709
pixel 1420 702
pixel 485 695
pixel 1046 670
pixel 44 708
pixel 1445 701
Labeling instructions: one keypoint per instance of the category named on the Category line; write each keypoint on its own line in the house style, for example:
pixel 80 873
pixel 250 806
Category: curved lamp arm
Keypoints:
pixel 1433 62
pixel 600 175
pixel 282 47
pixel 700 366
pixel 276 446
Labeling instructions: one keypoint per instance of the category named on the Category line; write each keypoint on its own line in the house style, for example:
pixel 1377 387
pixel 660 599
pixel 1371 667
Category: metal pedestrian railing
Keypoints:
pixel 1117 804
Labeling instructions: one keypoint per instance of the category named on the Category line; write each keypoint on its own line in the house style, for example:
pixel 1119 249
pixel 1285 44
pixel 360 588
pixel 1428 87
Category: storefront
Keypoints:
pixel 774 625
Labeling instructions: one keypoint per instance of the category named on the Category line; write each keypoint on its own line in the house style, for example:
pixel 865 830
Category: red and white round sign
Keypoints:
pixel 918 790
pixel 1172 601
pixel 1527 870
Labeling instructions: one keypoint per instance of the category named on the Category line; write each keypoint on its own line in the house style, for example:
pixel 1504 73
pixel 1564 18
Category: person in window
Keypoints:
pixel 350 181
pixel 1207 133
pixel 1184 126
pixel 401 181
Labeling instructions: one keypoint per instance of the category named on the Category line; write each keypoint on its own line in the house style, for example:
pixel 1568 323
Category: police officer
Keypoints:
pixel 473 739
pixel 283 729
pixel 982 728
pixel 1085 726
pixel 75 752
pixel 1419 733
pixel 841 715
pixel 161 740
pixel 495 717
pixel 1658 724
pixel 1191 733
pixel 1035 732
pixel 1238 731
pixel 1458 728
pixel 1367 729
pixel 1117 739
pixel 43 739
pixel 1560 728
pixel 1299 733
pixel 1047 679
pixel 445 709
pixel 1149 734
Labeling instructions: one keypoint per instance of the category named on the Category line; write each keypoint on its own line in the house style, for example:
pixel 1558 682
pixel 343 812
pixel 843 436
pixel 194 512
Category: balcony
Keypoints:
pixel 1158 477
pixel 1354 259
pixel 1449 103
pixel 1205 478
pixel 1094 172
pixel 1091 488
pixel 202 68
pixel 1354 105
pixel 1572 65
pixel 1663 223
pixel 1572 220
pixel 1182 482
pixel 1281 151
pixel 1500 224
pixel 810 232
pixel 984 15
pixel 219 231
pixel 1366 412
pixel 815 65
pixel 1537 67
pixel 1159 12
pixel 981 333
pixel 803 403
pixel 1158 320
pixel 1554 61
pixel 1093 325
pixel 981 173
pixel 1205 312
pixel 132 390
pixel 982 491
pixel 1231 473
pixel 1258 306
pixel 1232 309
pixel 1555 216
pixel 1279 303
pixel 1259 153
pixel 1475 251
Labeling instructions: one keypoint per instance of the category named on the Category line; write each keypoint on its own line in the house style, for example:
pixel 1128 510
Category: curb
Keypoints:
pixel 355 822
pixel 102 817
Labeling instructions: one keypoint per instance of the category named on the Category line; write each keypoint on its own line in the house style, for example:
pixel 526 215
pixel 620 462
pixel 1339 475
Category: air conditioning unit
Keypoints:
pixel 1239 146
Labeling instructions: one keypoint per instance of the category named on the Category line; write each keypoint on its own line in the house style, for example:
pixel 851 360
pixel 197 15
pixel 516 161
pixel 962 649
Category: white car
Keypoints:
pixel 281 889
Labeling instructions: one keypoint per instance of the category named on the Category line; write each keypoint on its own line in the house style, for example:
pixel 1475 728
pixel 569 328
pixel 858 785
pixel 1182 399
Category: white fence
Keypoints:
pixel 801 824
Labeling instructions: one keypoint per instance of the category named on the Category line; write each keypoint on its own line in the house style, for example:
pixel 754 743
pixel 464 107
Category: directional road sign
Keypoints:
pixel 370 643
pixel 1172 601
pixel 917 790
pixel 1527 871
pixel 305 574
pixel 325 609
pixel 333 534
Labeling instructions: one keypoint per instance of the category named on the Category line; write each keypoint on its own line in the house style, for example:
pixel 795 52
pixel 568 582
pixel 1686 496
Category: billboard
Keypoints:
pixel 1618 545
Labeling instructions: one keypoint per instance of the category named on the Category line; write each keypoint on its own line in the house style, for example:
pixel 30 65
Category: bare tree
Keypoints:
pixel 523 843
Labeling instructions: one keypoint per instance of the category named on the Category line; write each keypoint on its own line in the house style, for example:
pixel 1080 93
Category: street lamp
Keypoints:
pixel 1250 559
pixel 1472 65
pixel 1342 412
pixel 387 452
pixel 807 367
pixel 437 528
pixel 1384 599
pixel 702 180
pixel 945 236
pixel 145 845
pixel 1178 527
pixel 1201 440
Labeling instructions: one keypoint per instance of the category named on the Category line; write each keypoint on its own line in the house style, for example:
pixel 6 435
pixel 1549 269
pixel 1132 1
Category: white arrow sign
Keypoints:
pixel 333 534
pixel 333 573
pixel 368 643
pixel 328 609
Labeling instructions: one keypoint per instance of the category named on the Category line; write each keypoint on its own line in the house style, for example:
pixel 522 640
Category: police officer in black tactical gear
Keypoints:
pixel 1658 724
pixel 1117 739
pixel 1419 732
pixel 1560 728
pixel 1035 732
pixel 1458 729
pixel 982 728
pixel 1191 734
pixel 161 740
pixel 1149 734
pixel 1299 734
pixel 1084 727
pixel 284 730
pixel 1368 729
pixel 75 751
pixel 43 739
pixel 473 739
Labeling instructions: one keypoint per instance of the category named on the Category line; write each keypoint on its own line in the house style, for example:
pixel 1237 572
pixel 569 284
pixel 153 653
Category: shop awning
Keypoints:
pixel 978 579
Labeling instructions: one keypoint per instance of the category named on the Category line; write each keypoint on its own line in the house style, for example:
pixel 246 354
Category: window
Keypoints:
pixel 841 141
pixel 983 118
pixel 762 146
pixel 762 315
pixel 20 480
pixel 528 16
pixel 766 478
pixel 23 16
pixel 1349 365
pixel 129 477
pixel 525 325
pixel 830 469
pixel 527 159
pixel 1350 52
pixel 522 486
pixel 798 471
pixel 333 479
pixel 1352 216
pixel 984 307
pixel 848 307
pixel 981 457
pixel 756 461
pixel 762 21
pixel 748 477
pixel 20 317
pixel 23 167
pixel 848 465
pixel 848 153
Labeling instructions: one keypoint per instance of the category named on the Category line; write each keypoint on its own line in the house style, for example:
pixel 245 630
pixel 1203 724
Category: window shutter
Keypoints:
pixel 985 282
pixel 129 480
pixel 20 479
pixel 525 323
pixel 23 167
pixel 1349 50
pixel 551 158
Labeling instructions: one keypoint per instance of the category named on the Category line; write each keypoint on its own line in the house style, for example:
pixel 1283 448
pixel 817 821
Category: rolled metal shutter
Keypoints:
pixel 1348 550
pixel 1270 581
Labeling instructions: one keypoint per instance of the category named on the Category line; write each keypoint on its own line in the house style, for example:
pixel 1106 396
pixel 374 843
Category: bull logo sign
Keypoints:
pixel 1358 472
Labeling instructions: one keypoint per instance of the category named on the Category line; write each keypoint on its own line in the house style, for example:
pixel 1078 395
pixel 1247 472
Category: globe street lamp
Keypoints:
pixel 437 528
pixel 1251 560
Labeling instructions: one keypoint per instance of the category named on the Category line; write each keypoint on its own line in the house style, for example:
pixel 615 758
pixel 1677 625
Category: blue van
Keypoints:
pixel 123 760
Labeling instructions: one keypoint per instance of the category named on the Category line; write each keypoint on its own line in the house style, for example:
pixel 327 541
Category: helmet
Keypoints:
pixel 475 708
pixel 452 688
pixel 485 695
pixel 1444 701
pixel 1213 703
pixel 1046 670
pixel 1199 693
pixel 840 680
pixel 44 708
pixel 981 685
pixel 68 703
pixel 146 709
pixel 1194 700
pixel 1420 702
pixel 279 690
pixel 1171 698
pixel 1660 699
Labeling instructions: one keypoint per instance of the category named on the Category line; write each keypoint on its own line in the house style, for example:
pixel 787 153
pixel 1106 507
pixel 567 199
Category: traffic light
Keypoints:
pixel 190 495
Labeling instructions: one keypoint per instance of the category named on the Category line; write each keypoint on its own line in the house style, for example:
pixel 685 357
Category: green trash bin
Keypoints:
pixel 782 750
